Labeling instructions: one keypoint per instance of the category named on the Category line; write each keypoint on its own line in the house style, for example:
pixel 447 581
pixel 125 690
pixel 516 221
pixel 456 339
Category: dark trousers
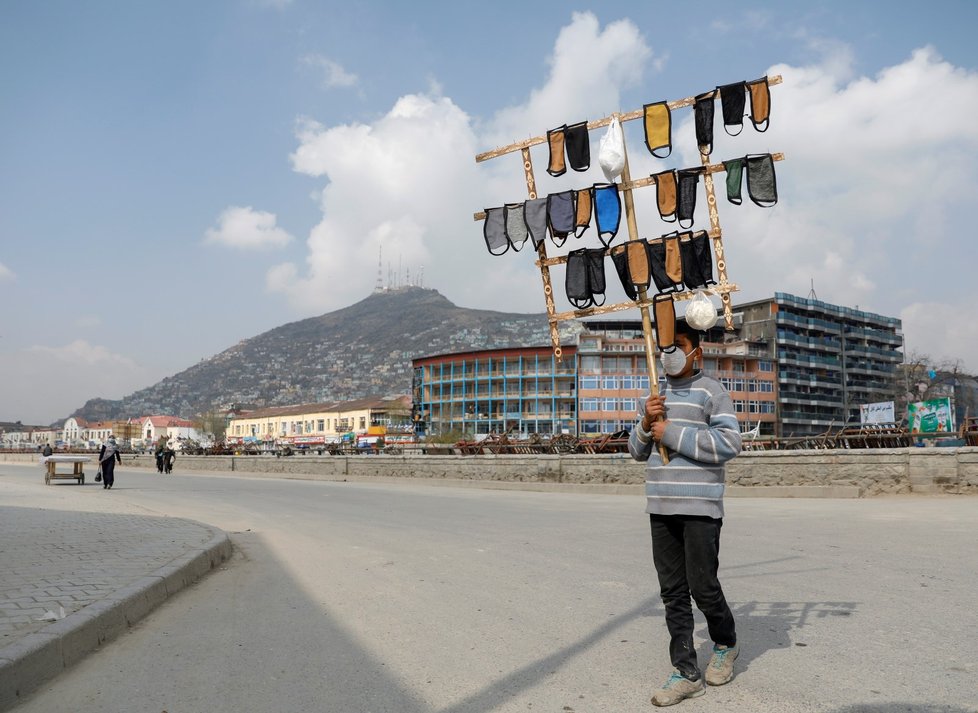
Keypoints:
pixel 108 471
pixel 685 550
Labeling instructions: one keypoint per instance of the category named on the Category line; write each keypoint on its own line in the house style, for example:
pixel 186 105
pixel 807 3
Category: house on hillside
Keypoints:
pixel 155 427
pixel 73 431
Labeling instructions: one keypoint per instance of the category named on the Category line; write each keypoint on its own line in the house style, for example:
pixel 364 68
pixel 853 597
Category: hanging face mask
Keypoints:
pixel 674 362
pixel 703 115
pixel 578 146
pixel 760 103
pixel 555 139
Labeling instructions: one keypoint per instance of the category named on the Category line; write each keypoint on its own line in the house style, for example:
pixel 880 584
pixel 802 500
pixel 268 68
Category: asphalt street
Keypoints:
pixel 409 598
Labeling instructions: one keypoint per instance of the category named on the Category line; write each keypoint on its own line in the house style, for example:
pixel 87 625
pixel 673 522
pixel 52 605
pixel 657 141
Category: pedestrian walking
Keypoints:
pixel 107 458
pixel 694 419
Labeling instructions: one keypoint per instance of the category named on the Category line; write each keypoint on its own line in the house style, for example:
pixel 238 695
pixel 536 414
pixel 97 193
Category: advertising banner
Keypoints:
pixel 880 412
pixel 932 416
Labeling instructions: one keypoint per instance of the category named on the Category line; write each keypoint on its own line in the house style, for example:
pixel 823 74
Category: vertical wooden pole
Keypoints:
pixel 711 202
pixel 626 178
pixel 548 291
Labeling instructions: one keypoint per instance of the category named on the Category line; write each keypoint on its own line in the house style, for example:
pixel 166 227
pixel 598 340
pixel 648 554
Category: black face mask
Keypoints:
pixel 697 260
pixel 688 178
pixel 620 258
pixel 703 111
pixel 578 146
pixel 584 278
pixel 665 263
pixel 732 100
pixel 762 186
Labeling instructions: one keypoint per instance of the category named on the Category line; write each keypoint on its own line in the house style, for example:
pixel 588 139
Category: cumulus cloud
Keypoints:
pixel 874 190
pixel 874 193
pixel 945 332
pixel 333 73
pixel 67 375
pixel 246 228
pixel 408 182
pixel 5 273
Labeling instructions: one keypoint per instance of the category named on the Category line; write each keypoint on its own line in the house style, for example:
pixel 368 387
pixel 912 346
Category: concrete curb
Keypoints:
pixel 29 662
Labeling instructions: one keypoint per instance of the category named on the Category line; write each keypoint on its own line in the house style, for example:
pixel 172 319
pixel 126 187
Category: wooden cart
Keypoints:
pixel 77 464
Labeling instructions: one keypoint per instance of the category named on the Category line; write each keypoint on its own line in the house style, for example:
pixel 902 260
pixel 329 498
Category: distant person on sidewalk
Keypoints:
pixel 47 450
pixel 169 455
pixel 107 458
pixel 160 450
pixel 694 419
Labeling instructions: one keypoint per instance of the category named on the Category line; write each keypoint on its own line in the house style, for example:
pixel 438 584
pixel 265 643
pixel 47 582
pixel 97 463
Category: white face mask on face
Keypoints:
pixel 674 362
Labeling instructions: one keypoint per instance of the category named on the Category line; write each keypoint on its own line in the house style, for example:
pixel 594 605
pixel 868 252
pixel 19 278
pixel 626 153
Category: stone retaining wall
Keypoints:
pixel 835 473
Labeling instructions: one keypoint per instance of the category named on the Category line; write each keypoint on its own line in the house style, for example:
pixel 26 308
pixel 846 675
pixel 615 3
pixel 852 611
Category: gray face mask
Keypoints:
pixel 675 361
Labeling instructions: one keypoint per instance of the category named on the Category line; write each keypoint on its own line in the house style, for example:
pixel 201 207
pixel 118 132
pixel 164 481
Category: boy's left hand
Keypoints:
pixel 659 428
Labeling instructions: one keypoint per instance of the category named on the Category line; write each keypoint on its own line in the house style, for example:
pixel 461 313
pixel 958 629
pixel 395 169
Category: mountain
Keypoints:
pixel 359 351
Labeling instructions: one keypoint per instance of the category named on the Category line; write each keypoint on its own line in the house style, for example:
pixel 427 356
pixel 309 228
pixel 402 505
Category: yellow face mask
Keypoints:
pixel 658 129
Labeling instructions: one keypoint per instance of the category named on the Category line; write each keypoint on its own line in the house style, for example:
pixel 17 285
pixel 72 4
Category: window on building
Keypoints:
pixel 738 385
pixel 738 367
pixel 740 406
pixel 766 386
pixel 590 382
pixel 629 405
pixel 591 364
pixel 754 406
pixel 321 425
pixel 628 382
pixel 609 404
pixel 726 382
pixel 765 365
pixel 609 382
pixel 589 404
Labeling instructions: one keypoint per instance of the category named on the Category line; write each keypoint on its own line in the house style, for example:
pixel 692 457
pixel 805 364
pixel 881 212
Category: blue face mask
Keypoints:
pixel 674 362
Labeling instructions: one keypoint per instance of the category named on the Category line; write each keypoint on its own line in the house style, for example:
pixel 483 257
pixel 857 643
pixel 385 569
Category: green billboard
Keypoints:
pixel 931 416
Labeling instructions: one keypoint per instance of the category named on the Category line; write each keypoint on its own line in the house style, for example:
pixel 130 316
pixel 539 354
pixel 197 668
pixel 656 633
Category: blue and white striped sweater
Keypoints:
pixel 702 435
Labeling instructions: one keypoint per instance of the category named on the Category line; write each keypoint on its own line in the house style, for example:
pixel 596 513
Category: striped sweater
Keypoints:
pixel 702 435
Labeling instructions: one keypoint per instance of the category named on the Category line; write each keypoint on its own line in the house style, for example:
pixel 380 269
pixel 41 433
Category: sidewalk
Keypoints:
pixel 107 570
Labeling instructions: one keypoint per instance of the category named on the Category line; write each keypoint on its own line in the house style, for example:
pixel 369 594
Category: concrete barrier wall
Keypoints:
pixel 835 473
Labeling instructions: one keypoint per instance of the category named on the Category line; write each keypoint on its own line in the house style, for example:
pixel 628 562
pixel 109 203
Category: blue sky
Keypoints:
pixel 177 176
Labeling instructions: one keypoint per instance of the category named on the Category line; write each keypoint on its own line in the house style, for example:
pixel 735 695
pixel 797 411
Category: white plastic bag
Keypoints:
pixel 611 154
pixel 701 314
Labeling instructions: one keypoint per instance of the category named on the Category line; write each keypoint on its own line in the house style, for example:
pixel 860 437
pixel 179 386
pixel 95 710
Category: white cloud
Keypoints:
pixel 333 73
pixel 246 228
pixel 874 194
pixel 6 273
pixel 42 383
pixel 945 332
pixel 409 182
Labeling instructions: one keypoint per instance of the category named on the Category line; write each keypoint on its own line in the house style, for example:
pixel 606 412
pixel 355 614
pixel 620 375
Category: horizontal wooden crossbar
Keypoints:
pixel 615 249
pixel 648 181
pixel 637 114
pixel 723 289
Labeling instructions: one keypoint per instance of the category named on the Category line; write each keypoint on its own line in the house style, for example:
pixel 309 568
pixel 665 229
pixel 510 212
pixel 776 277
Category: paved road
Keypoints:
pixel 411 598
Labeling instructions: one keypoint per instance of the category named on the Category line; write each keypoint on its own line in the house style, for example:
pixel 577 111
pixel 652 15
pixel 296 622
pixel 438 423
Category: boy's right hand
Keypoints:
pixel 655 409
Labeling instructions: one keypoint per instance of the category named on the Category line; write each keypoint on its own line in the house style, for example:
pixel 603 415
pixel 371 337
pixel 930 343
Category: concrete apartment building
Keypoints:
pixel 792 365
pixel 598 388
pixel 524 389
pixel 830 359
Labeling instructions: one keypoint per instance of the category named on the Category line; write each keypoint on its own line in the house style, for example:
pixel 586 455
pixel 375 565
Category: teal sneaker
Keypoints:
pixel 677 689
pixel 721 668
